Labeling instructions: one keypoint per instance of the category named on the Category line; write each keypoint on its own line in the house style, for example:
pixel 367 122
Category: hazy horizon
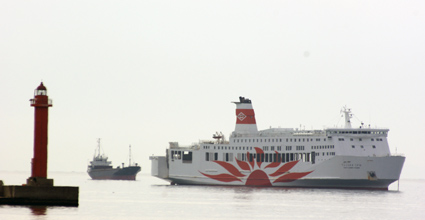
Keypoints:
pixel 145 73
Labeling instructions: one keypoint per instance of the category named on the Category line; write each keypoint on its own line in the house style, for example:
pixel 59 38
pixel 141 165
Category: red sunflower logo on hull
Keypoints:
pixel 257 177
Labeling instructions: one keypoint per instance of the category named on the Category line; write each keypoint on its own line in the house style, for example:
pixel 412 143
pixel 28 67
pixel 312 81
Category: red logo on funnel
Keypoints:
pixel 245 116
pixel 241 116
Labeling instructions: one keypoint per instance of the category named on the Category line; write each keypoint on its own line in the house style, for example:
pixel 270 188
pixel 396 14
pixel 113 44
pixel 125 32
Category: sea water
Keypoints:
pixel 152 198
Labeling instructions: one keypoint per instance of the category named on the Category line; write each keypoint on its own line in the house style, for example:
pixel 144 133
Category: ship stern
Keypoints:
pixel 159 167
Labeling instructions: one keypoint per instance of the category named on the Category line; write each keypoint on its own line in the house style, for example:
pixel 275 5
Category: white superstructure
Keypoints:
pixel 335 157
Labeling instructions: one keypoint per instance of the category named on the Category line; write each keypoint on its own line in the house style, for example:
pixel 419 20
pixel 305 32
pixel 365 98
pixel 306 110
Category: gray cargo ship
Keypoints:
pixel 101 169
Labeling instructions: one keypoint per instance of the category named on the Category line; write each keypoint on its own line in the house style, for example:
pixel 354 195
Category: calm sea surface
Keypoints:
pixel 152 198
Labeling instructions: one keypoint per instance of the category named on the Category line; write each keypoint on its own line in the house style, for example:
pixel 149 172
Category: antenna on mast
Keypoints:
pixel 129 155
pixel 98 147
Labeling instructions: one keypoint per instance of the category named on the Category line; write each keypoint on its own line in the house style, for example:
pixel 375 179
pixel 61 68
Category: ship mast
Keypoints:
pixel 98 148
pixel 348 115
pixel 129 155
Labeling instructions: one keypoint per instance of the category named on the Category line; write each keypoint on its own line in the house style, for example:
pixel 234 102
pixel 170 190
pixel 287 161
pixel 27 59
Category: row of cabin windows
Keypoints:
pixel 232 148
pixel 279 148
pixel 211 156
pixel 360 139
pixel 326 153
pixel 186 156
pixel 289 140
pixel 265 148
pixel 357 132
pixel 275 140
pixel 323 147
pixel 268 158
pixel 361 146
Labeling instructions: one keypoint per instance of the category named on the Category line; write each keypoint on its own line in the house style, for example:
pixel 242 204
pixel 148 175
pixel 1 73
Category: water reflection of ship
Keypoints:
pixel 101 169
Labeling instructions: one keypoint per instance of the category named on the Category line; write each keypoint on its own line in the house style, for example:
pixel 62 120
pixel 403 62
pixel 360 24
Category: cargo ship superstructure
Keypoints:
pixel 343 157
pixel 101 169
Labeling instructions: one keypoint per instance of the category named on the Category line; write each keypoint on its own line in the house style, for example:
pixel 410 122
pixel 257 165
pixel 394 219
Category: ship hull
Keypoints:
pixel 126 173
pixel 351 172
pixel 305 183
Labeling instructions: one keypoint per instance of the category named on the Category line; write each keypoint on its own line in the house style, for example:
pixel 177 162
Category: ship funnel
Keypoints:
pixel 245 116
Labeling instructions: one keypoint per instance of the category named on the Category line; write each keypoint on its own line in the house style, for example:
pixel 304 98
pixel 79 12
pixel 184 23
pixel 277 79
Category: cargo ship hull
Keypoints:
pixel 126 173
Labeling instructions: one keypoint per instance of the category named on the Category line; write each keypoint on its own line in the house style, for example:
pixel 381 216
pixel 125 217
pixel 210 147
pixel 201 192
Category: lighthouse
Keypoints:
pixel 41 104
pixel 39 190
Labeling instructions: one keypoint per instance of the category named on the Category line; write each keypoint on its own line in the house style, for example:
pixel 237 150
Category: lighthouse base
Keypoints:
pixel 39 181
pixel 39 195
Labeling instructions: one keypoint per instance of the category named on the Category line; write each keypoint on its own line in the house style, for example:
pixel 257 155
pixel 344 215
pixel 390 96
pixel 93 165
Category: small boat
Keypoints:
pixel 101 169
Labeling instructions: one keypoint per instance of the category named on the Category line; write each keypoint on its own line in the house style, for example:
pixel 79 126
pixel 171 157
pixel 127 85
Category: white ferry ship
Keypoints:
pixel 331 158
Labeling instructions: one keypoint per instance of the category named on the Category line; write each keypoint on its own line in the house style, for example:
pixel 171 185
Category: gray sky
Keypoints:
pixel 149 72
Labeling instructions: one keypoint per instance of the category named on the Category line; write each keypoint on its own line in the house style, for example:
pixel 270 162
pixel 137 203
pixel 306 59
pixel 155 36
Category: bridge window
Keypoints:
pixel 177 155
pixel 187 157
